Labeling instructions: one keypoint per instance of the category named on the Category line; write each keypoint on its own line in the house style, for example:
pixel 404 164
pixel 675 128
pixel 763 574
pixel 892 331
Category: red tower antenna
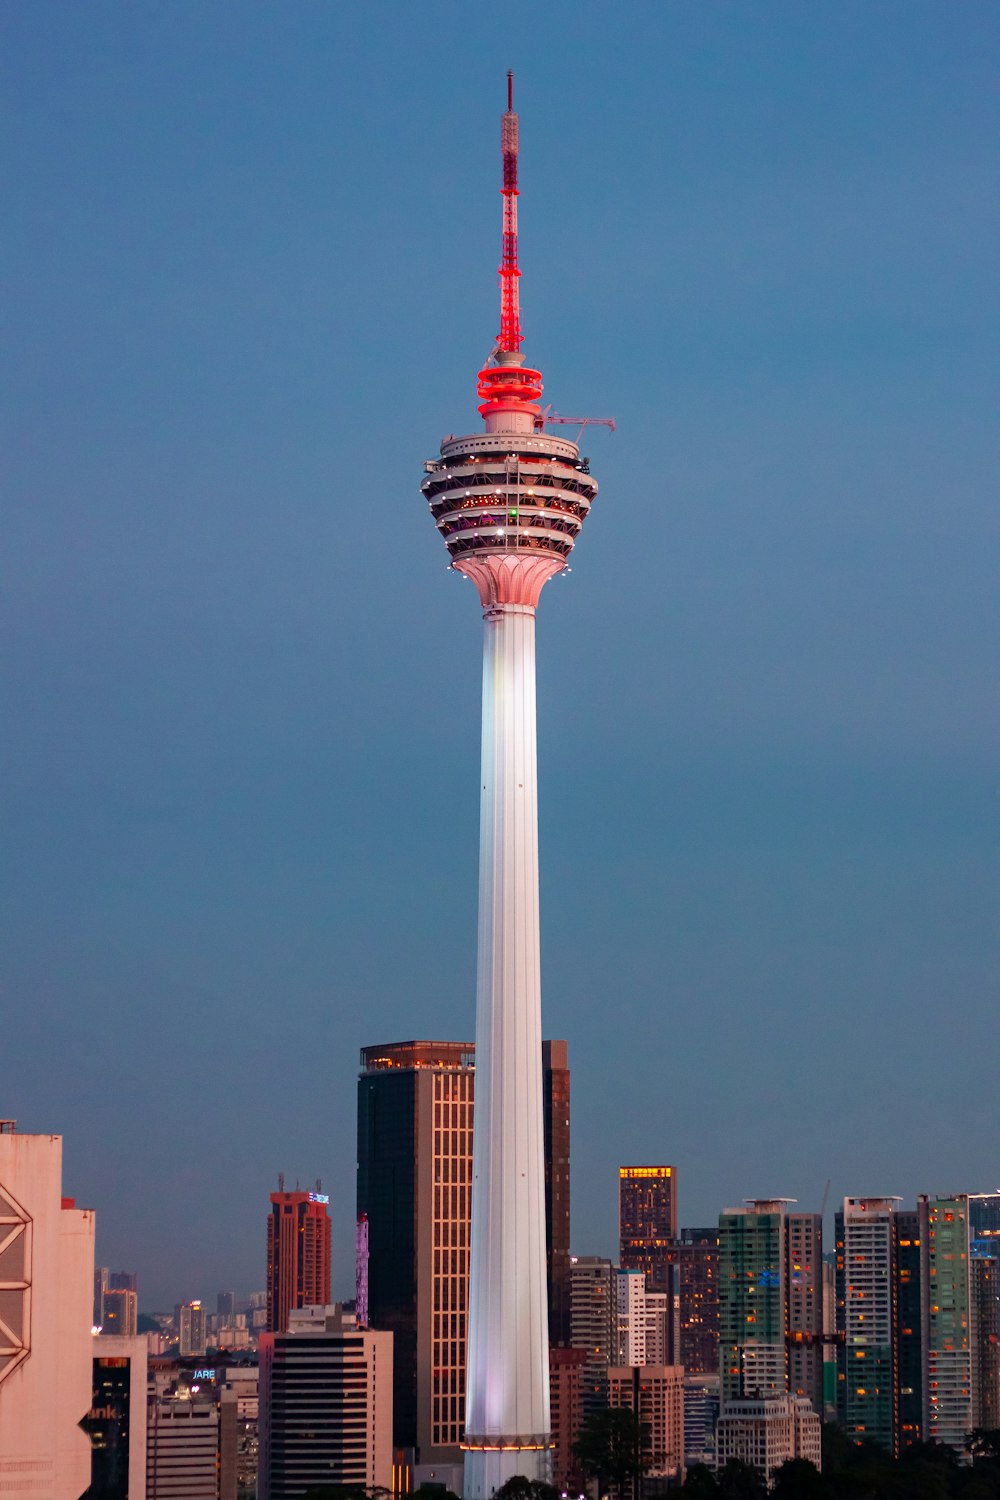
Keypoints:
pixel 511 337
pixel 507 386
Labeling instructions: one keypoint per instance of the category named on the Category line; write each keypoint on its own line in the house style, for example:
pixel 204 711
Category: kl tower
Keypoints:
pixel 509 503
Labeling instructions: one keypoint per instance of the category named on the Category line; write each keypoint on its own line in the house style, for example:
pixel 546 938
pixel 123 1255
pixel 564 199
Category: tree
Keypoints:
pixel 739 1481
pixel 520 1487
pixel 798 1479
pixel 613 1448
pixel 700 1483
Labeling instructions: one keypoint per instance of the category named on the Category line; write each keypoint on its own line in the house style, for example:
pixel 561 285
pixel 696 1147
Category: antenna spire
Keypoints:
pixel 511 338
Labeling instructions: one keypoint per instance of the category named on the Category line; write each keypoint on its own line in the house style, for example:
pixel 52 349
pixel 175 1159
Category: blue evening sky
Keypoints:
pixel 250 272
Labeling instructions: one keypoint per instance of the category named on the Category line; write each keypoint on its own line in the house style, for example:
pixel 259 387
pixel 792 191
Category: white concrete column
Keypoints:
pixel 507 1387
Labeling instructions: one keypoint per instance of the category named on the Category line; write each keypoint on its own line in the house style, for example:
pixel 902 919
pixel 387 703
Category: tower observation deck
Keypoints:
pixel 509 503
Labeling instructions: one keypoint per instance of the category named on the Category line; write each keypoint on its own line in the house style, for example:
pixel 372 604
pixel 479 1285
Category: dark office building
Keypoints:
pixel 555 1086
pixel 415 1103
pixel 415 1115
pixel 108 1425
pixel 909 1350
pixel 697 1253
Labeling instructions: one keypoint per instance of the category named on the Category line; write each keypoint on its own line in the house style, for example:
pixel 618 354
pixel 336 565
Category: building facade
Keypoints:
pixel 566 1404
pixel 867 1321
pixel 656 1394
pixel 116 1423
pixel 415 1120
pixel 555 1125
pixel 766 1432
pixel 697 1255
pixel 752 1300
pixel 416 1105
pixel 325 1406
pixel 192 1329
pixel 46 1339
pixel 298 1255
pixel 593 1312
pixel 961 1354
pixel 909 1331
pixel 804 1305
pixel 647 1223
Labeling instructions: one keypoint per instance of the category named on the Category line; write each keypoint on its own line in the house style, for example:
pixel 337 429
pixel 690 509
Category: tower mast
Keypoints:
pixel 509 503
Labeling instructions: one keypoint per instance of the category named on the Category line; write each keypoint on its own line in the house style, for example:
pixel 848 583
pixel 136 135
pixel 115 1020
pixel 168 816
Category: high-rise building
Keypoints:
pixel 325 1406
pixel 416 1105
pixel 298 1254
pixel 123 1281
pixel 630 1318
pixel 804 1305
pixel 415 1109
pixel 909 1348
pixel 697 1254
pixel 46 1304
pixel 656 1394
pixel 192 1331
pixel 647 1223
pixel 867 1377
pixel 101 1284
pixel 555 1125
pixel 566 1400
pixel 752 1300
pixel 225 1306
pixel 593 1304
pixel 961 1356
pixel 116 1423
pixel 984 1322
pixel 701 1412
pixel 509 503
pixel 121 1312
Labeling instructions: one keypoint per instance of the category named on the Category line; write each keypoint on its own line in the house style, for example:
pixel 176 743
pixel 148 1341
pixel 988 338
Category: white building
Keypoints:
pixel 46 1308
pixel 325 1405
pixel 767 1431
pixel 630 1317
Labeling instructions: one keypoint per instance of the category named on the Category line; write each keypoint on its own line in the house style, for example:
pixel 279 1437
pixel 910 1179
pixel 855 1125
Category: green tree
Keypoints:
pixel 798 1479
pixel 700 1482
pixel 739 1481
pixel 613 1448
pixel 520 1487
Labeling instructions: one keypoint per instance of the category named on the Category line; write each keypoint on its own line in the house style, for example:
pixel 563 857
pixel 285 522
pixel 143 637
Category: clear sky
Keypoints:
pixel 250 271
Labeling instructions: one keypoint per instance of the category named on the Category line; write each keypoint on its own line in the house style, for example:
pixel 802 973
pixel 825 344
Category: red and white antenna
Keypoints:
pixel 511 337
pixel 508 389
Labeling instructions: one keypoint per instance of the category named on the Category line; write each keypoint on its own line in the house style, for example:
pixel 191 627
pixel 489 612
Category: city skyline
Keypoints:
pixel 247 272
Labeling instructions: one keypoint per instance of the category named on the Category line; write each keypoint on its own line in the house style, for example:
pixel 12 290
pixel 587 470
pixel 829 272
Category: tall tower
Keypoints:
pixel 298 1255
pixel 509 503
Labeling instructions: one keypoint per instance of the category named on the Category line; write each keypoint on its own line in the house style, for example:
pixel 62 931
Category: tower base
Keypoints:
pixel 486 1469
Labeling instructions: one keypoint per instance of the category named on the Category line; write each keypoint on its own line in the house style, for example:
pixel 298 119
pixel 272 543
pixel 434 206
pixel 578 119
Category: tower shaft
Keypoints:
pixel 507 1390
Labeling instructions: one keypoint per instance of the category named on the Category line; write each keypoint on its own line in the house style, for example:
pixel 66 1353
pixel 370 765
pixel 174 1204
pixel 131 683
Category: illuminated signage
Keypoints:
pixel 319 1197
pixel 202 1374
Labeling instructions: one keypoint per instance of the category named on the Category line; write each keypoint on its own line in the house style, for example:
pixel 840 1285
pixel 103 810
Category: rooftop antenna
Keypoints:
pixel 511 338
pixel 281 1182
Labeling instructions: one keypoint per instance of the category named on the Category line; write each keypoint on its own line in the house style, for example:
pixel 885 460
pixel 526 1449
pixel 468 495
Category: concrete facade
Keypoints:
pixel 46 1308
